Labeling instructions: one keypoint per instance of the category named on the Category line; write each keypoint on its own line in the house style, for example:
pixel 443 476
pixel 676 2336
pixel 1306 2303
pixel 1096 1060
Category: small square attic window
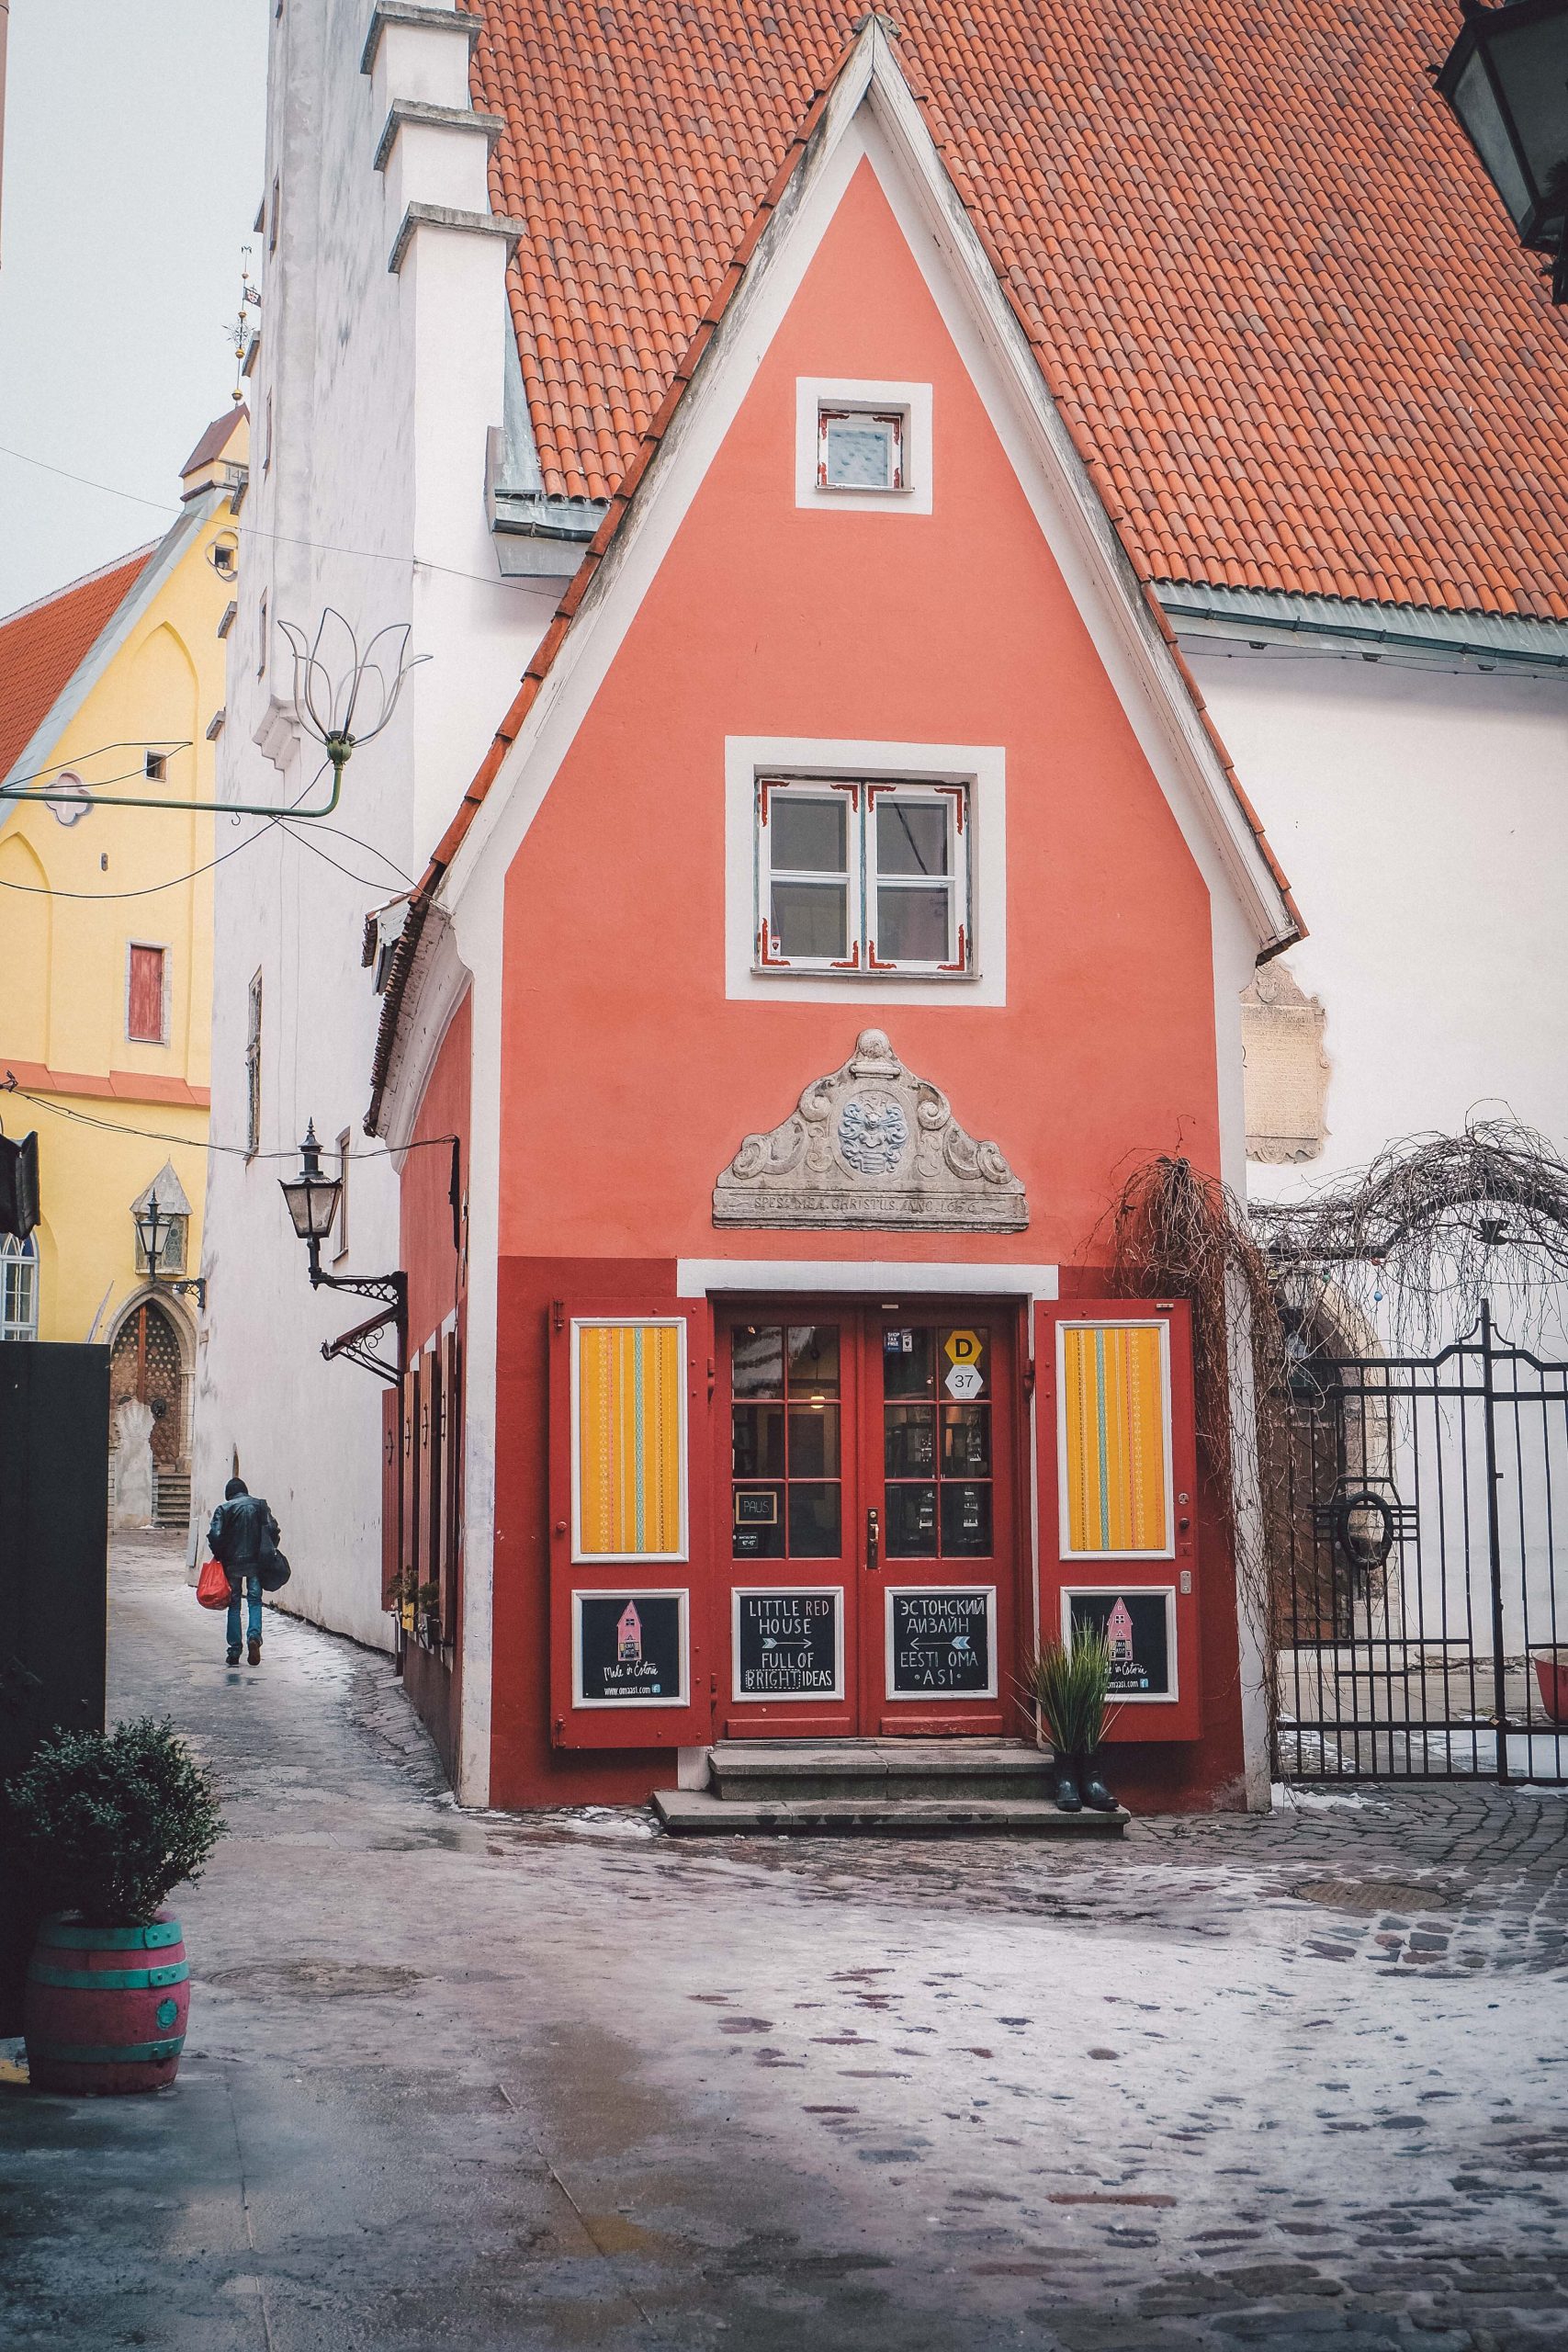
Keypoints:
pixel 859 448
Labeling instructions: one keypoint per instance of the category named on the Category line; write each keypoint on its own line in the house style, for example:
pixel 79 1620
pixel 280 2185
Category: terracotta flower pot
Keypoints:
pixel 1551 1674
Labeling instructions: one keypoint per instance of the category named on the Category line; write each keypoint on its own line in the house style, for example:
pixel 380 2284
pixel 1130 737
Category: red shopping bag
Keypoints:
pixel 212 1586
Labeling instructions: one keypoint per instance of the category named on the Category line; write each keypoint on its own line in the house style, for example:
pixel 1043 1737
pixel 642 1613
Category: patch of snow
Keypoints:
pixel 1294 1800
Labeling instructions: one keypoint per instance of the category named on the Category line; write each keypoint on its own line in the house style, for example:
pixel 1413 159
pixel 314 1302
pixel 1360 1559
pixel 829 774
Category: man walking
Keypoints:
pixel 243 1532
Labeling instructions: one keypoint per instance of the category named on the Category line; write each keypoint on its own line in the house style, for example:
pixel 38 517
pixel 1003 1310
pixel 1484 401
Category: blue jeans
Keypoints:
pixel 252 1615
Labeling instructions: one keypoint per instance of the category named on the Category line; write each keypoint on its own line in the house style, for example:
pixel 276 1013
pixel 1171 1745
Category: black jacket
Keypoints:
pixel 241 1534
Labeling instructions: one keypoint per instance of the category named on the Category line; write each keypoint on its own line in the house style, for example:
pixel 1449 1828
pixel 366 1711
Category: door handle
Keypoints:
pixel 873 1540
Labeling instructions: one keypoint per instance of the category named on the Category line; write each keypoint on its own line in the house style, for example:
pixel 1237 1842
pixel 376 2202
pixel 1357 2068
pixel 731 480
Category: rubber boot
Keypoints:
pixel 1067 1797
pixel 1095 1795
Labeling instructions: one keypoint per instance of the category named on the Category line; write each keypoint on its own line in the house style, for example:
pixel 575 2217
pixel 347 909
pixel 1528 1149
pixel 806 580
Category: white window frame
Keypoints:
pixel 750 760
pixel 22 1254
pixel 862 797
pixel 148 947
pixel 911 402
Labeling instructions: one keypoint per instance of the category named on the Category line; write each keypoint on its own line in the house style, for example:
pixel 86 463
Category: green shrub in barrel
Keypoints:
pixel 102 1825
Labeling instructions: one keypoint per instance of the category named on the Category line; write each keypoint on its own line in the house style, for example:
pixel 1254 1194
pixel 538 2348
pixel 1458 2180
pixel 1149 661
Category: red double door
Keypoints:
pixel 867 1517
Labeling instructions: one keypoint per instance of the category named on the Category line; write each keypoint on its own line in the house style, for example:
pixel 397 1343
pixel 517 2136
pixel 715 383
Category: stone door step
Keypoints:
pixel 698 1813
pixel 895 1770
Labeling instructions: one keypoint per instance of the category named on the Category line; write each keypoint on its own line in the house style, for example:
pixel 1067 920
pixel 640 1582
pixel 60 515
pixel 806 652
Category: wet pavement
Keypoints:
pixel 454 2079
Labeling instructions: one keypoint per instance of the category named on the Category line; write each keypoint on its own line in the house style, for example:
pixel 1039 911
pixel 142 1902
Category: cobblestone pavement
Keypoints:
pixel 455 2079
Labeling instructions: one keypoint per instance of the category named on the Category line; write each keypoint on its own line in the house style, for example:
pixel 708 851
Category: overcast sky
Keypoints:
pixel 132 173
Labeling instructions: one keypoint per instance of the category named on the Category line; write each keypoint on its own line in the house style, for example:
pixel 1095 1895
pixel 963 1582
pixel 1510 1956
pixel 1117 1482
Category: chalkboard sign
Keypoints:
pixel 1138 1626
pixel 787 1645
pixel 630 1649
pixel 941 1642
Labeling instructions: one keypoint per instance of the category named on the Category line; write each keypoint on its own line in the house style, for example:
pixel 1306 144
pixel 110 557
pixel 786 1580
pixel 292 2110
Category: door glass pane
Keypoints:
pixel 814 1441
pixel 911 1523
pixel 859 452
pixel 966 1440
pixel 758 1523
pixel 908 1447
pixel 907 1362
pixel 911 836
pixel 814 1516
pixel 759 1441
pixel 913 924
pixel 966 1519
pixel 814 1359
pixel 757 1359
pixel 808 836
pixel 811 919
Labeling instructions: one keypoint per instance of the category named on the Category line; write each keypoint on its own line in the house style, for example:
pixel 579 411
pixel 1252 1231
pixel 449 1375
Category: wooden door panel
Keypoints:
pixel 787 1518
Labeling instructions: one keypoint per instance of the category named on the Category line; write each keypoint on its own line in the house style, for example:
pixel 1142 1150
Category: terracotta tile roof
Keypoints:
pixel 1273 293
pixel 43 645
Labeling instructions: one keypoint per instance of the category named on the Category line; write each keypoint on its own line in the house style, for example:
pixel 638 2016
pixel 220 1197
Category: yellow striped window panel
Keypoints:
pixel 630 1457
pixel 1115 1439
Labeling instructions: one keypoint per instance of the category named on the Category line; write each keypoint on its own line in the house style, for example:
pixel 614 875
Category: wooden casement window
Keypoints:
pixel 252 1068
pixel 145 1004
pixel 859 448
pixel 862 877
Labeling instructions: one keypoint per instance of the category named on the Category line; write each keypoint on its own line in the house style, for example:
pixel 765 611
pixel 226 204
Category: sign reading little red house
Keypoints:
pixel 630 1648
pixel 940 1640
pixel 789 1645
pixel 1139 1632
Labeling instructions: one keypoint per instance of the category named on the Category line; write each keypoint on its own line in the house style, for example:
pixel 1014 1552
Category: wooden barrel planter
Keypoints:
pixel 104 2008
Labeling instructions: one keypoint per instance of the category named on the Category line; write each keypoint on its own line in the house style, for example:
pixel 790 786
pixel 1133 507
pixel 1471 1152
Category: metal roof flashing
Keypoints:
pixel 1420 635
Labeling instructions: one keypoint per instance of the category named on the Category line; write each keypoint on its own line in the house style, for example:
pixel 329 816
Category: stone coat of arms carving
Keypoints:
pixel 874 1146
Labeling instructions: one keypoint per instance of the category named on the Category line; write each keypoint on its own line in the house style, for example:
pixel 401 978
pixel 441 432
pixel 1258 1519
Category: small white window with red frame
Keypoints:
pixel 862 877
pixel 861 448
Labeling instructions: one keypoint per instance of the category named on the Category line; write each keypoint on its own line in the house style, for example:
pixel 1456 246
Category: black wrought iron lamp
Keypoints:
pixel 152 1229
pixel 1507 79
pixel 313 1198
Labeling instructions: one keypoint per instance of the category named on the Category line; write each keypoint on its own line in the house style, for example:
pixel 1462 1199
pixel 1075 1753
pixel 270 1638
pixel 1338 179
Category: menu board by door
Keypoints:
pixel 942 1641
pixel 789 1643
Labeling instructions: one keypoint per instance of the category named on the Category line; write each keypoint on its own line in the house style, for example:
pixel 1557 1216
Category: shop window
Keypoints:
pixel 862 877
pixel 18 1288
pixel 146 1020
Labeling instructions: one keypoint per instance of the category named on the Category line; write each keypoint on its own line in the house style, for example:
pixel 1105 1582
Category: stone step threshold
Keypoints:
pixel 698 1813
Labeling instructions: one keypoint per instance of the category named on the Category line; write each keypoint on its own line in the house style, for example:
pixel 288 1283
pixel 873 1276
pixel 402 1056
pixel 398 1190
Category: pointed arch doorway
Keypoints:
pixel 149 1390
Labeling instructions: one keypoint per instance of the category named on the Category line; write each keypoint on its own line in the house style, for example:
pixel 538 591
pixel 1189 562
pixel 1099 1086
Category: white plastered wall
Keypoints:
pixel 384 385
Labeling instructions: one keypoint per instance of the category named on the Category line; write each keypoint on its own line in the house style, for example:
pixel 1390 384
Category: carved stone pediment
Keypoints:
pixel 873 1145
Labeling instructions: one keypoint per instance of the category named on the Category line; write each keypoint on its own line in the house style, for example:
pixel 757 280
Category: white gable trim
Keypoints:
pixel 892 135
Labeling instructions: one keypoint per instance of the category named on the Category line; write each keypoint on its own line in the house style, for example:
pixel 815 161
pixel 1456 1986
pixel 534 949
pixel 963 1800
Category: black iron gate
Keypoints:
pixel 1419 1583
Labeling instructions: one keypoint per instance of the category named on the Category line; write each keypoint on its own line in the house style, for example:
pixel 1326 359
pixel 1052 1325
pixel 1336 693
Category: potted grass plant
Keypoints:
pixel 1070 1684
pixel 101 1827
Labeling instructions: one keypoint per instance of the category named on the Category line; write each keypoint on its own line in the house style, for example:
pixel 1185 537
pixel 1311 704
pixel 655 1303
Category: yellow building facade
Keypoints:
pixel 115 685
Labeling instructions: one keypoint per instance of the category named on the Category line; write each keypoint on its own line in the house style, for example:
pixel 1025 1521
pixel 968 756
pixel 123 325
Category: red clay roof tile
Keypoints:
pixel 1251 248
pixel 44 644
